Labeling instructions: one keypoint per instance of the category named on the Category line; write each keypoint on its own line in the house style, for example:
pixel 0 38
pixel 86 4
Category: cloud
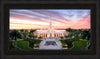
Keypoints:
pixel 61 18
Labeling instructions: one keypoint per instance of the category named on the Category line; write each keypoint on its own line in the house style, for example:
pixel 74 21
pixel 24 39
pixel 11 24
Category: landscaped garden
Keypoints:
pixel 25 44
pixel 77 39
pixel 22 39
pixel 80 44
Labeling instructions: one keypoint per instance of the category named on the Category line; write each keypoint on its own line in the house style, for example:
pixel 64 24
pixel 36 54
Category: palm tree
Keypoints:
pixel 14 34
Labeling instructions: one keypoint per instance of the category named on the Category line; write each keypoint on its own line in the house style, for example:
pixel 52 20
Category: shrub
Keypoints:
pixel 32 41
pixel 63 42
pixel 37 41
pixel 40 37
pixel 61 37
pixel 68 42
pixel 11 44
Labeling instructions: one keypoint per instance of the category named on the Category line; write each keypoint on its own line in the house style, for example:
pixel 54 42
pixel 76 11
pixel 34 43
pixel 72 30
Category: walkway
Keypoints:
pixel 58 45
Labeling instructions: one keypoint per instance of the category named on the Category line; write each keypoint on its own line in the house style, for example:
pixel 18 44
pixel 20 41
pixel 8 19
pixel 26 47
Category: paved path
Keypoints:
pixel 50 47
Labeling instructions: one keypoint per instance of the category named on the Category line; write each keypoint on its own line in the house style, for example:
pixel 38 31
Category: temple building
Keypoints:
pixel 50 32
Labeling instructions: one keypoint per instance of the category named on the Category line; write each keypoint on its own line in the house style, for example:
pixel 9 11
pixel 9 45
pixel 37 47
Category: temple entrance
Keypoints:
pixel 50 35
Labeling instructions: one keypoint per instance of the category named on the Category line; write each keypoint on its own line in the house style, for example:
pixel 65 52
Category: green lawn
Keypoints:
pixel 73 45
pixel 22 44
pixel 80 44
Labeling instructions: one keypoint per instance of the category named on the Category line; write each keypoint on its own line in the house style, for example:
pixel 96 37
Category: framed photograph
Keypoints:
pixel 49 29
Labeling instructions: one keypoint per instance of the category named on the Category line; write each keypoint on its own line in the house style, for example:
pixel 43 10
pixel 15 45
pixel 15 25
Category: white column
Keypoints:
pixel 37 35
pixel 62 34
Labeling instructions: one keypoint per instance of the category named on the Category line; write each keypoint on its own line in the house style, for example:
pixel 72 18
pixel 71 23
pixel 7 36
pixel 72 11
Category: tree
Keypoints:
pixel 24 34
pixel 21 30
pixel 34 36
pixel 31 31
pixel 77 33
pixel 30 35
pixel 40 37
pixel 26 31
pixel 86 35
pixel 71 32
pixel 14 34
pixel 69 29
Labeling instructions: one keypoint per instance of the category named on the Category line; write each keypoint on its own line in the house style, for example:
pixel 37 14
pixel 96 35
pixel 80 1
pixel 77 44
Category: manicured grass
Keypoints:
pixel 75 44
pixel 80 44
pixel 22 44
pixel 18 39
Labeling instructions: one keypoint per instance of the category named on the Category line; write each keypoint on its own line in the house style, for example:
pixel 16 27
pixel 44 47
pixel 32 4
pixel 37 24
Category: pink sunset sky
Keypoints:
pixel 40 18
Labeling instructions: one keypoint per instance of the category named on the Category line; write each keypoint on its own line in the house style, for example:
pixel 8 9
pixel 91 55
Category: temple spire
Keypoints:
pixel 50 22
pixel 50 27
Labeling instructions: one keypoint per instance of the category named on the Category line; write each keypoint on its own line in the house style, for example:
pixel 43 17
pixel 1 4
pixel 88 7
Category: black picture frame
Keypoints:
pixel 42 53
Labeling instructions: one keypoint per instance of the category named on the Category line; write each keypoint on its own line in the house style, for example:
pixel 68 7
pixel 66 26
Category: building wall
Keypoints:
pixel 55 33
